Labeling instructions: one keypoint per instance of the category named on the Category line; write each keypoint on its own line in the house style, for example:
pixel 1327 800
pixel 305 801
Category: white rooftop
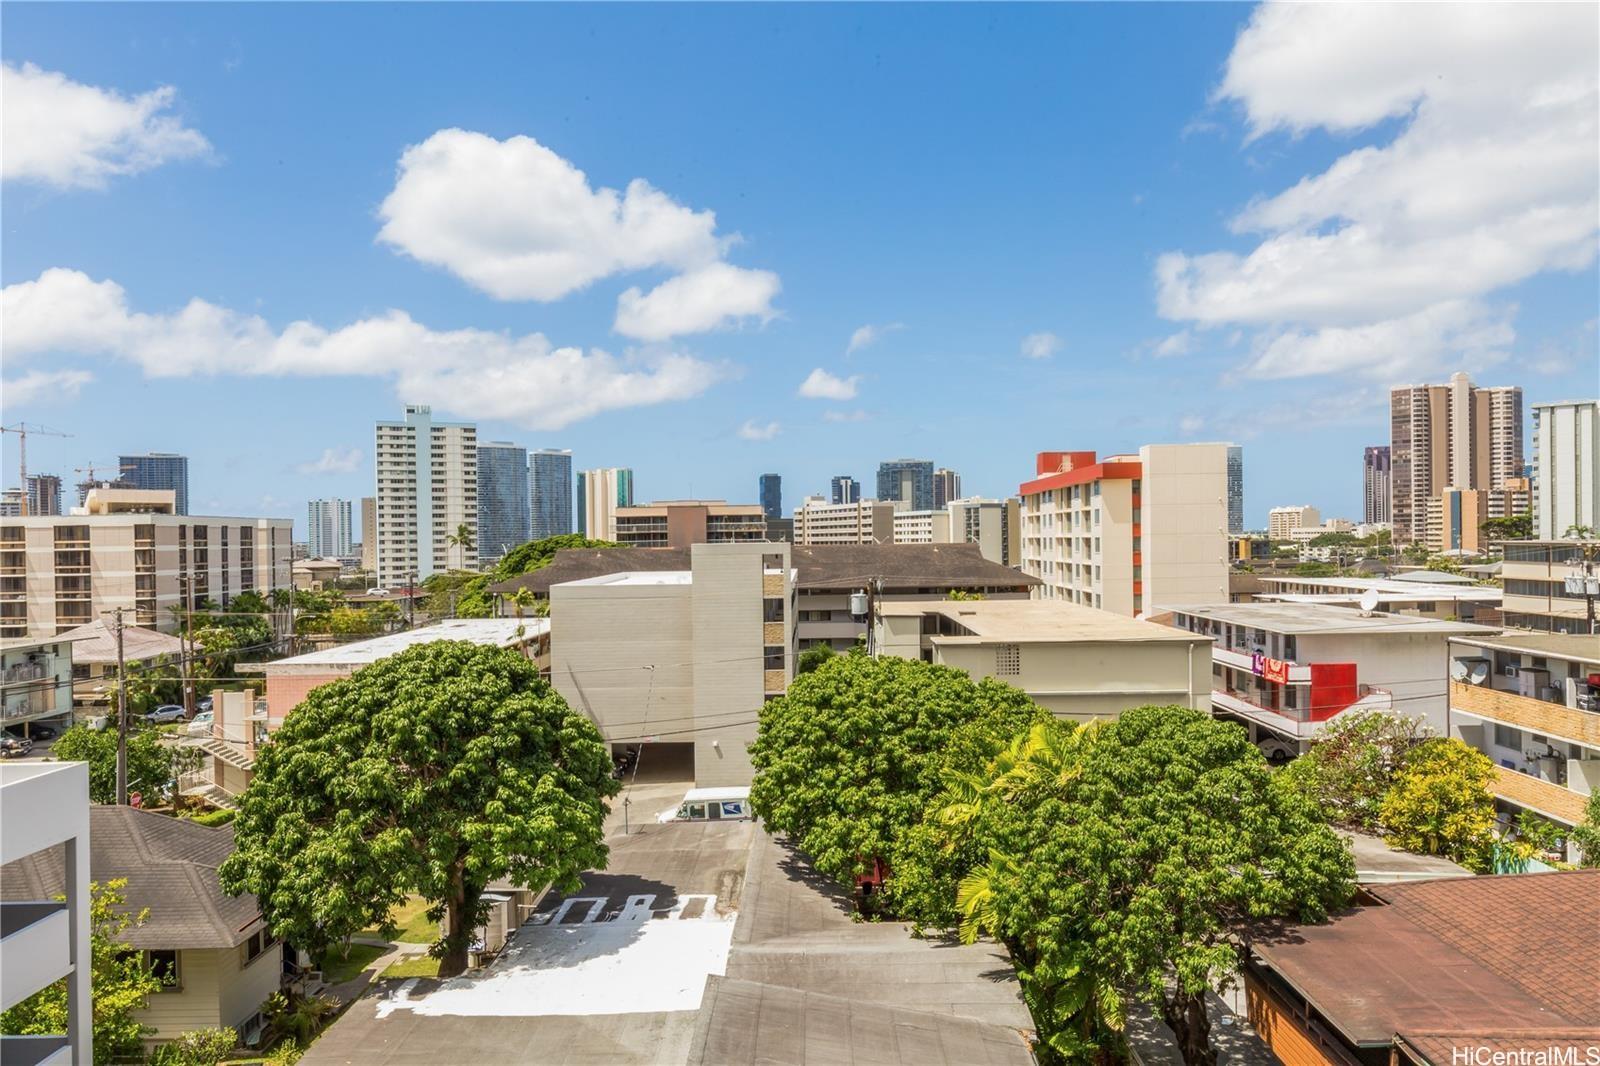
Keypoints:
pixel 1314 618
pixel 1386 587
pixel 499 632
pixel 638 577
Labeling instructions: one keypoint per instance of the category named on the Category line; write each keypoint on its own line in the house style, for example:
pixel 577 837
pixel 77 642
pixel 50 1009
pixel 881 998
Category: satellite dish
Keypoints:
pixel 1369 601
pixel 1458 670
pixel 1479 673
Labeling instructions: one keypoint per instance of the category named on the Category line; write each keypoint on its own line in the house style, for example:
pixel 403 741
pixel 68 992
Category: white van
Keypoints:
pixel 711 805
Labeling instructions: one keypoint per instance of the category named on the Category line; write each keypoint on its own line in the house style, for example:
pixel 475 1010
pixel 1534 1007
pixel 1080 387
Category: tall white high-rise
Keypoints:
pixel 1566 467
pixel 427 490
pixel 328 534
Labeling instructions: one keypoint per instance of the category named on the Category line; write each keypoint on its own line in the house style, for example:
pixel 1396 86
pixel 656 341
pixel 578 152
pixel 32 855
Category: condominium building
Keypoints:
pixel 159 471
pixel 503 508
pixel 845 489
pixel 600 493
pixel 1545 583
pixel 1375 484
pixel 678 663
pixel 863 522
pixel 910 481
pixel 995 526
pixel 1125 531
pixel 772 495
pixel 44 494
pixel 36 684
pixel 1235 489
pixel 1282 521
pixel 1566 467
pixel 946 487
pixel 427 490
pixel 922 527
pixel 1455 435
pixel 369 534
pixel 328 529
pixel 550 493
pixel 12 502
pixel 1453 520
pixel 1449 597
pixel 57 573
pixel 680 523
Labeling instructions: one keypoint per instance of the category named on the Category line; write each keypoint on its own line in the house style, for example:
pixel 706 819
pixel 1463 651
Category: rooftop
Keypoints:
pixel 1311 618
pixel 638 577
pixel 1388 587
pixel 500 632
pixel 96 643
pixel 1574 646
pixel 1039 622
pixel 1433 577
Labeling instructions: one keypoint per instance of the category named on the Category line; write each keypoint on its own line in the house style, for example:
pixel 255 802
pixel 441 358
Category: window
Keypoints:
pixel 773 657
pixel 257 945
pixel 772 610
pixel 1007 660
pixel 164 965
pixel 1507 737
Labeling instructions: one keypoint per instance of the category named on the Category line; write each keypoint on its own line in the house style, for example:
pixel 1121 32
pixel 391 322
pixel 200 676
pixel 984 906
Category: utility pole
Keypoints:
pixel 411 600
pixel 188 643
pixel 122 717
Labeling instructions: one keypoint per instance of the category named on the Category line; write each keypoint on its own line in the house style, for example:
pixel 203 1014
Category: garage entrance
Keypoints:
pixel 655 762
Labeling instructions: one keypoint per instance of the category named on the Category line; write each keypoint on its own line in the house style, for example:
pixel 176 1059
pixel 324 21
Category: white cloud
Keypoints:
pixel 475 373
pixel 44 386
pixel 868 335
pixel 59 132
pixel 1189 425
pixel 1465 334
pixel 1177 344
pixel 711 297
pixel 519 222
pixel 1040 345
pixel 1492 179
pixel 333 461
pixel 821 385
pixel 844 416
pixel 753 430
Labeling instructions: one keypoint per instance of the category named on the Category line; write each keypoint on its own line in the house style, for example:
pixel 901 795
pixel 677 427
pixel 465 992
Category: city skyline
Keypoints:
pixel 1120 196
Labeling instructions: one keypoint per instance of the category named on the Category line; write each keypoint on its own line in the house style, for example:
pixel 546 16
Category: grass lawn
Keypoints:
pixel 422 966
pixel 412 919
pixel 336 969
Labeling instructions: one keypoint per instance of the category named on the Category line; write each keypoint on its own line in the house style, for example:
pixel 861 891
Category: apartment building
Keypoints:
pixel 159 472
pixel 1545 583
pixel 845 489
pixel 35 685
pixel 1455 435
pixel 922 527
pixel 58 573
pixel 677 663
pixel 600 493
pixel 550 493
pixel 995 526
pixel 1283 670
pixel 369 534
pixel 1566 467
pixel 1077 662
pixel 680 523
pixel 1531 702
pixel 504 511
pixel 1375 484
pixel 863 522
pixel 946 487
pixel 44 814
pixel 909 481
pixel 12 503
pixel 1423 593
pixel 1125 531
pixel 427 489
pixel 44 494
pixel 771 495
pixel 1283 521
pixel 328 533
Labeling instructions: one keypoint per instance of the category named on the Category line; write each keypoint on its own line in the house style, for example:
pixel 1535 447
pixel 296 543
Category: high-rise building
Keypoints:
pixel 946 487
pixel 1375 484
pixel 680 523
pixel 1566 467
pixel 600 493
pixel 1283 521
pixel 993 525
pixel 846 489
pixel 427 489
pixel 11 501
pixel 369 534
pixel 159 470
pixel 909 481
pixel 328 529
pixel 503 509
pixel 44 494
pixel 1449 436
pixel 772 495
pixel 1129 533
pixel 1235 489
pixel 549 493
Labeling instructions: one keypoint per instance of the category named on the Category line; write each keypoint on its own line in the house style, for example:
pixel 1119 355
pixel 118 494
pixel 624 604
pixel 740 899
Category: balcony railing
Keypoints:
pixel 1540 795
pixel 1525 712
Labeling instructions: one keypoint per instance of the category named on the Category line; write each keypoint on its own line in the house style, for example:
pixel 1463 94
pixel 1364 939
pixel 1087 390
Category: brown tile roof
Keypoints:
pixel 1444 1049
pixel 171 868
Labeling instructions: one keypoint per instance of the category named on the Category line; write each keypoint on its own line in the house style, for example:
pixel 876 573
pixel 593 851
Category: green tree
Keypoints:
pixel 196 1047
pixel 813 657
pixel 963 594
pixel 1586 834
pixel 464 542
pixel 1354 763
pixel 848 759
pixel 1510 527
pixel 1440 804
pixel 474 600
pixel 120 980
pixel 434 772
pixel 1315 569
pixel 152 765
pixel 1335 539
pixel 1150 867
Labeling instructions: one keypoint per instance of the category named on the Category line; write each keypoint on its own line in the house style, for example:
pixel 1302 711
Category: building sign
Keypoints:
pixel 1276 670
pixel 1258 664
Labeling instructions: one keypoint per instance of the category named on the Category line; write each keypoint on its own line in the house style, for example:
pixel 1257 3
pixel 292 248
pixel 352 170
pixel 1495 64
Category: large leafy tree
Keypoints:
pixel 1145 868
pixel 1587 832
pixel 120 981
pixel 474 600
pixel 1354 763
pixel 152 765
pixel 1441 804
pixel 848 759
pixel 435 772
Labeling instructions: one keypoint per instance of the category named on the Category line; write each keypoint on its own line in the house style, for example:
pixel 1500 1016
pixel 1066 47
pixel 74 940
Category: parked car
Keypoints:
pixel 167 712
pixel 39 731
pixel 203 705
pixel 199 725
pixel 12 747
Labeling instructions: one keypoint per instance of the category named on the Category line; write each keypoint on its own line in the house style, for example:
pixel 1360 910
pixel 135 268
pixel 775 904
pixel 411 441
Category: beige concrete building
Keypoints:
pixel 1454 518
pixel 1126 531
pixel 61 572
pixel 1566 467
pixel 1544 583
pixel 922 527
pixel 680 523
pixel 995 526
pixel 677 663
pixel 427 488
pixel 600 493
pixel 1076 662
pixel 816 521
pixel 35 684
pixel 369 535
pixel 1455 435
pixel 1283 521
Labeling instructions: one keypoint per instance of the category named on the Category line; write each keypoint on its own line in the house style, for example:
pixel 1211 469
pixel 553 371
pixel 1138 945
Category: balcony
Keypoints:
pixel 1539 795
pixel 1525 712
pixel 34 944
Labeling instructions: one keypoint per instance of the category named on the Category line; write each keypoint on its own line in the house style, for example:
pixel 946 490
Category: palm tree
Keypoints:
pixel 463 540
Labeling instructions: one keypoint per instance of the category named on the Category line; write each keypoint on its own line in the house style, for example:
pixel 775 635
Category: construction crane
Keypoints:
pixel 89 482
pixel 22 429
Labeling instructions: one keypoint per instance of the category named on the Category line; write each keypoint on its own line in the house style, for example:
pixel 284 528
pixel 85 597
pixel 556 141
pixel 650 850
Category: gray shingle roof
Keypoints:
pixel 170 865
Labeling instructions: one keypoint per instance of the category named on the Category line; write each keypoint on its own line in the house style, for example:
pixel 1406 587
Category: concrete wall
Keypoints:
pixel 1184 522
pixel 1414 668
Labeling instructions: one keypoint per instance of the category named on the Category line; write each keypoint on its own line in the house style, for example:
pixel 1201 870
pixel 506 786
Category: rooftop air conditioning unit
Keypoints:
pixel 1511 670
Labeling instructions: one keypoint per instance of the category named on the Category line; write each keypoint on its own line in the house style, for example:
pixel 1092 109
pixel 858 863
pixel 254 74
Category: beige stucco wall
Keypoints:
pixel 1184 521
pixel 1083 680
pixel 604 641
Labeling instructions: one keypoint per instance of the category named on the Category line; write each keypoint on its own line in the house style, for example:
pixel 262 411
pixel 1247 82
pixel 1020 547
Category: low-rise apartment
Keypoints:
pixel 816 521
pixel 1284 522
pixel 680 523
pixel 1544 584
pixel 1077 662
pixel 35 685
pixel 1449 597
pixel 1531 702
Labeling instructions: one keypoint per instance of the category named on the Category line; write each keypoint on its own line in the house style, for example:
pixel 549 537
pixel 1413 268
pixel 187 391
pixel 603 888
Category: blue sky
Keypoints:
pixel 1217 223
